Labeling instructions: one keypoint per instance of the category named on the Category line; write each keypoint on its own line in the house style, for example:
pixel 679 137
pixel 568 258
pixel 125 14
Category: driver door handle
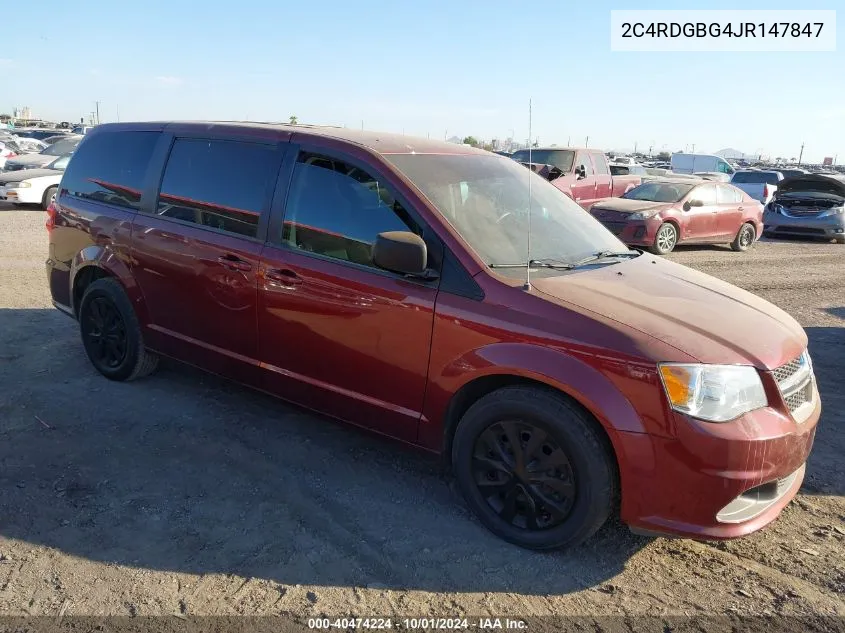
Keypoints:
pixel 233 262
pixel 283 276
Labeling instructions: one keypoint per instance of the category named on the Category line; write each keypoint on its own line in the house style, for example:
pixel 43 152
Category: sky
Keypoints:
pixel 438 68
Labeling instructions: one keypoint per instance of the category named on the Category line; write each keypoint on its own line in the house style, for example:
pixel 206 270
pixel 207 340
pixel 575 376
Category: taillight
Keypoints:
pixel 51 217
pixel 765 192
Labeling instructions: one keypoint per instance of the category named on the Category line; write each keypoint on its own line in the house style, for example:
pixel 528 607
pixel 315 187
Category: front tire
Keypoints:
pixel 47 198
pixel 111 333
pixel 534 468
pixel 665 240
pixel 744 238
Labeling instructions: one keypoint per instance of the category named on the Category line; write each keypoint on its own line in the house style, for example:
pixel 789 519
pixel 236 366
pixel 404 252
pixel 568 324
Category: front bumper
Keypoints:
pixel 828 227
pixel 715 481
pixel 633 232
pixel 28 195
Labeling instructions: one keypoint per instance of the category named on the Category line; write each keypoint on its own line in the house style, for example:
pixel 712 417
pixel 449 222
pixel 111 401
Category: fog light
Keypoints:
pixel 640 231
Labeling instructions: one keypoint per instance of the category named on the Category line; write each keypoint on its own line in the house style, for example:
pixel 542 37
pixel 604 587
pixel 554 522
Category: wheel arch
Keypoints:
pixel 543 368
pixel 98 262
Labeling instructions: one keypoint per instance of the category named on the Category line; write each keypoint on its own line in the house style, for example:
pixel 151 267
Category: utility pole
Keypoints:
pixel 587 142
pixel 362 124
pixel 693 148
pixel 635 147
pixel 801 154
pixel 98 112
pixel 118 113
pixel 569 141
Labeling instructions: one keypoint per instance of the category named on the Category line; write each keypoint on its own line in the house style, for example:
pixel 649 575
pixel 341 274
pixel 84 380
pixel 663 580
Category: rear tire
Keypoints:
pixel 111 333
pixel 565 476
pixel 744 238
pixel 47 198
pixel 665 240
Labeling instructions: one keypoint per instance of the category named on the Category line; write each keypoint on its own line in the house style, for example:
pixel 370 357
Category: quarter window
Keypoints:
pixel 337 210
pixel 110 167
pixel 223 185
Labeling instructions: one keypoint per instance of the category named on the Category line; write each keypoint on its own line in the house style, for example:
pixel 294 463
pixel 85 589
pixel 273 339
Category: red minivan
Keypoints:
pixel 446 297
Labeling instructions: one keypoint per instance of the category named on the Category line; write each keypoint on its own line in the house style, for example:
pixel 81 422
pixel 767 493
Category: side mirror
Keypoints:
pixel 580 172
pixel 400 252
pixel 689 204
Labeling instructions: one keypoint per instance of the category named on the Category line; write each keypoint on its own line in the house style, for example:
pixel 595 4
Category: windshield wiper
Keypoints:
pixel 537 263
pixel 605 255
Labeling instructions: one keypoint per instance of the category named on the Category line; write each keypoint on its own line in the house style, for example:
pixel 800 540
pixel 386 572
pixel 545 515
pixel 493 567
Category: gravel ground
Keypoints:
pixel 184 494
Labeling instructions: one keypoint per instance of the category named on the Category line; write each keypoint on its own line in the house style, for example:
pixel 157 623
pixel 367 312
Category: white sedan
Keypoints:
pixel 33 186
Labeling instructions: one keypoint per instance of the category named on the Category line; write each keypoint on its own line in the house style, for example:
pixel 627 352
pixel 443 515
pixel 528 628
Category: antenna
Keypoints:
pixel 527 285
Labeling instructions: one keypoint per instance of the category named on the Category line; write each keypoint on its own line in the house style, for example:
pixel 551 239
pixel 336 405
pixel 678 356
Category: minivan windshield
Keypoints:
pixel 486 200
pixel 658 192
pixel 560 158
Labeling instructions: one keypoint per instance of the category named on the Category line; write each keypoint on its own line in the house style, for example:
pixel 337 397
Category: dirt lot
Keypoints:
pixel 185 494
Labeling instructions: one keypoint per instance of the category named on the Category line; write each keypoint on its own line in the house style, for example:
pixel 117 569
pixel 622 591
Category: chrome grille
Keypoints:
pixel 795 381
pixel 785 372
pixel 797 398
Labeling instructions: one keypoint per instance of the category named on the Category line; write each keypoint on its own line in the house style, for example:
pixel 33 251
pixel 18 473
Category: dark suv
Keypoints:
pixel 388 282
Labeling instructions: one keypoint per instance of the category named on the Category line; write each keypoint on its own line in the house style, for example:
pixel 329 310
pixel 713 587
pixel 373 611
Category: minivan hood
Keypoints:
pixel 704 317
pixel 813 182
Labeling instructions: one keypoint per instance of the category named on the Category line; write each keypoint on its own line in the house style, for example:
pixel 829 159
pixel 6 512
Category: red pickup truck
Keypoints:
pixel 582 174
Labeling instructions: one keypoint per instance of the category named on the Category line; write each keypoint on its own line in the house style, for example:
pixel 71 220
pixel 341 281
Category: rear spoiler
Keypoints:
pixel 549 172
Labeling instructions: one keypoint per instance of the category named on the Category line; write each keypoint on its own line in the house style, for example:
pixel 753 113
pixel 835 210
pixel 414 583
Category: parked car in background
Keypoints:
pixel 582 174
pixel 808 205
pixel 792 172
pixel 55 139
pixel 661 214
pixel 698 163
pixel 82 129
pixel 379 279
pixel 626 169
pixel 38 133
pixel 759 184
pixel 45 156
pixel 33 186
pixel 8 149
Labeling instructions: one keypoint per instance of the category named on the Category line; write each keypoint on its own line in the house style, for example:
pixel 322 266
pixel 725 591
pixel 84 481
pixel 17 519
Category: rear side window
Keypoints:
pixel 223 185
pixel 110 167
pixel 727 195
pixel 705 193
pixel 337 210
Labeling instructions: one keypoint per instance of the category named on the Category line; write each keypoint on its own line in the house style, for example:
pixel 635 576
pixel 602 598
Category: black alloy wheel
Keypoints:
pixel 104 333
pixel 524 475
pixel 534 467
pixel 111 333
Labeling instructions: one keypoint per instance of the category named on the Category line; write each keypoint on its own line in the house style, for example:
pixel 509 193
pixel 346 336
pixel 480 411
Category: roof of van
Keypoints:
pixel 564 149
pixel 379 142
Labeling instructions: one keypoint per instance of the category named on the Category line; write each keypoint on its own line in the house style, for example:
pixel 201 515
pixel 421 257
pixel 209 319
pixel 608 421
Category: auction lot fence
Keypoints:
pixel 297 624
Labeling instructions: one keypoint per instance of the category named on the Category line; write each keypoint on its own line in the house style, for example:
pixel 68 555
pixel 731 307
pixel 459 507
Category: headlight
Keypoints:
pixel 717 393
pixel 19 185
pixel 831 212
pixel 642 215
